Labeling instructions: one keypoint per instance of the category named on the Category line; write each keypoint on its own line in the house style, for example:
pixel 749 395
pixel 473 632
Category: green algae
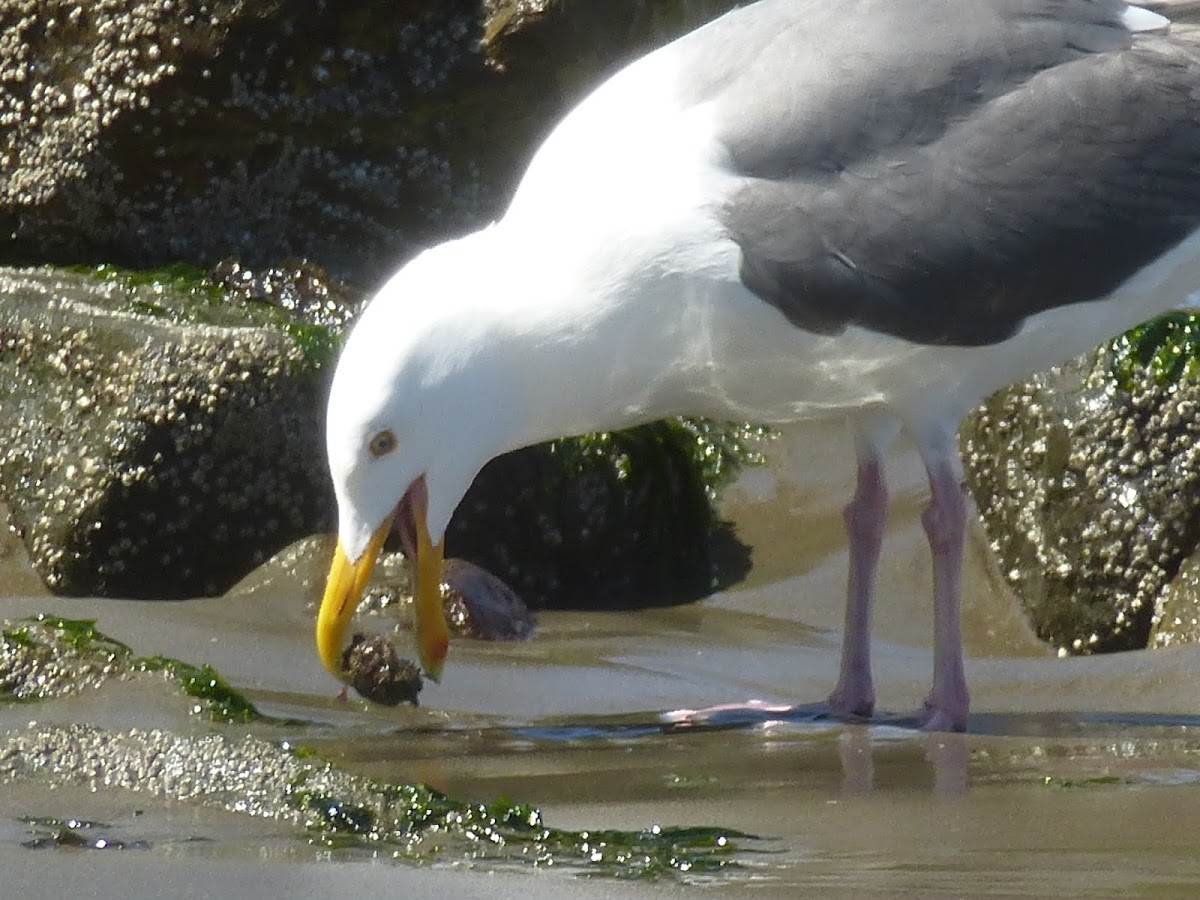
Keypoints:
pixel 184 281
pixel 223 702
pixel 418 823
pixel 318 343
pixel 1168 347
pixel 219 700
pixel 185 294
pixel 713 451
pixel 183 277
pixel 339 811
pixel 78 634
pixel 40 661
pixel 18 636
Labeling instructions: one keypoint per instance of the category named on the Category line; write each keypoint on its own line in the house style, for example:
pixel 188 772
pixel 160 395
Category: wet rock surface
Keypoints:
pixel 1177 614
pixel 157 441
pixel 267 779
pixel 36 663
pixel 241 773
pixel 163 435
pixel 1089 488
pixel 232 136
pixel 258 774
pixel 15 567
pixel 46 657
pixel 162 130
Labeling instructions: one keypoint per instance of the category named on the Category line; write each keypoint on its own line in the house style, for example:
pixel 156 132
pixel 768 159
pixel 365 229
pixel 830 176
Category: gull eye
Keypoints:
pixel 382 443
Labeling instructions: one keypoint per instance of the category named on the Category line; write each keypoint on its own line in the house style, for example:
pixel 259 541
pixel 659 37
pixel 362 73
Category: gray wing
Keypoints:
pixel 941 169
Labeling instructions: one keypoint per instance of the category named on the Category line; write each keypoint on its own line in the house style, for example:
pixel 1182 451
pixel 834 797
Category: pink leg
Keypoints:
pixel 945 524
pixel 865 516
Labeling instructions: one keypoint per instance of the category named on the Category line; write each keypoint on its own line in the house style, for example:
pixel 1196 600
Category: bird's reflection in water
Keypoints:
pixel 948 754
pixel 798 755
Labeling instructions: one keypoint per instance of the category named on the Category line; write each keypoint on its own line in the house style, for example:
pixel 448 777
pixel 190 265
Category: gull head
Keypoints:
pixel 410 421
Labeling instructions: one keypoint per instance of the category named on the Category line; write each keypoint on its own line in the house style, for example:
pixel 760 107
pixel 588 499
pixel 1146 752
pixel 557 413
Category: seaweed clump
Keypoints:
pixel 43 657
pixel 418 823
pixel 1168 347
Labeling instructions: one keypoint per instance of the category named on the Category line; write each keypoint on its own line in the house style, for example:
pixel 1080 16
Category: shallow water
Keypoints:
pixel 1077 777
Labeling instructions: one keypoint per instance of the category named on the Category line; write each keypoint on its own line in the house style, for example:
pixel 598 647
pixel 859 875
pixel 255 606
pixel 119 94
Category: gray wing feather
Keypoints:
pixel 1034 155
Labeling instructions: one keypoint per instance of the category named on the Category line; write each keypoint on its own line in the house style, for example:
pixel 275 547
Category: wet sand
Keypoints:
pixel 1077 777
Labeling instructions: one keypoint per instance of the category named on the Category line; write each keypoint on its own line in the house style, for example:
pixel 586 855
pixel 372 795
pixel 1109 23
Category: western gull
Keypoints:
pixel 880 210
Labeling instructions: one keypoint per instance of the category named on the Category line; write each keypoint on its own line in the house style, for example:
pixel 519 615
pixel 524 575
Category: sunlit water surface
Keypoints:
pixel 1076 778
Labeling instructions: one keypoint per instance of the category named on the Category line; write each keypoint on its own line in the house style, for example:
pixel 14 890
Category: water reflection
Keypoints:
pixel 947 755
pixel 770 747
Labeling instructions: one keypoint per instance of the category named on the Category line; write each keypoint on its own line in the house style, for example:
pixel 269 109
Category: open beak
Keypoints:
pixel 348 578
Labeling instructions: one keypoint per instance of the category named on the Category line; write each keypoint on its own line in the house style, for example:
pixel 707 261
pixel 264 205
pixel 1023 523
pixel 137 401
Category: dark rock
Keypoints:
pixel 1089 488
pixel 157 441
pixel 160 130
pixel 55 834
pixel 610 519
pixel 480 605
pixel 232 134
pixel 163 435
pixel 379 673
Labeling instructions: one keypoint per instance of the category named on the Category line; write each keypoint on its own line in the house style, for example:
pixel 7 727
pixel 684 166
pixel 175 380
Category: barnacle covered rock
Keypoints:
pixel 155 440
pixel 1088 481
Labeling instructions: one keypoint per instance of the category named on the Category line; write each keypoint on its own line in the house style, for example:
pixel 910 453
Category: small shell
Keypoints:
pixel 378 673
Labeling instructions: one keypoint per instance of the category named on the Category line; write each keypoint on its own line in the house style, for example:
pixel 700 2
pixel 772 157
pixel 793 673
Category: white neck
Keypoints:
pixel 575 344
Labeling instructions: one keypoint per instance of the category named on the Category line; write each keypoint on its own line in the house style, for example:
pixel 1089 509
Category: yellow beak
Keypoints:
pixel 429 613
pixel 347 580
